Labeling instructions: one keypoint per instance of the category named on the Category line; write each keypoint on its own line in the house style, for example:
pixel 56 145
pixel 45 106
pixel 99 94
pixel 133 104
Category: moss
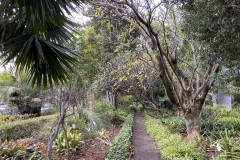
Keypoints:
pixel 172 146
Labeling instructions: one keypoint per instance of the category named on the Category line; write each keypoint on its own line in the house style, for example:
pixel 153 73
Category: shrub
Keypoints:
pixel 120 147
pixel 21 149
pixel 114 115
pixel 102 134
pixel 172 146
pixel 229 146
pixel 176 124
pixel 9 118
pixel 25 128
pixel 140 107
pixel 75 139
pixel 214 121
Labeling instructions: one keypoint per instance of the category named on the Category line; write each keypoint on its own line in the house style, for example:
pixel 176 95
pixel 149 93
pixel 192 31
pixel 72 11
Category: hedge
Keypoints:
pixel 120 148
pixel 172 146
pixel 31 127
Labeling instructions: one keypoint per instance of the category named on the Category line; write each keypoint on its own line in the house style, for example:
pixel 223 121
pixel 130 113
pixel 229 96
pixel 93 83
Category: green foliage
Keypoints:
pixel 9 118
pixel 75 139
pixel 5 77
pixel 120 147
pixel 140 107
pixel 26 128
pixel 93 121
pixel 214 121
pixel 176 124
pixel 21 149
pixel 20 95
pixel 49 112
pixel 102 134
pixel 114 115
pixel 216 25
pixel 172 146
pixel 229 146
pixel 34 36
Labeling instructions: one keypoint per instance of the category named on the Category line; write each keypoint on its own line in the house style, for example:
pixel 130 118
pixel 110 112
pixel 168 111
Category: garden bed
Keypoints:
pixel 94 149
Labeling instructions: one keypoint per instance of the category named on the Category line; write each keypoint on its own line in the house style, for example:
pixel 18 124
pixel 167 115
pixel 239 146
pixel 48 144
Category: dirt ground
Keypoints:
pixel 144 146
pixel 94 149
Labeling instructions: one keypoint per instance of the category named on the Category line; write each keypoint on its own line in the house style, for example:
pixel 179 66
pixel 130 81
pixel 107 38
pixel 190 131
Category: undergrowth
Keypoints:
pixel 172 146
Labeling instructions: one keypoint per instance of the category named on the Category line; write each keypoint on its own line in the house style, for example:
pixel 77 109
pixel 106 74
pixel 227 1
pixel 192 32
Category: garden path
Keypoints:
pixel 144 146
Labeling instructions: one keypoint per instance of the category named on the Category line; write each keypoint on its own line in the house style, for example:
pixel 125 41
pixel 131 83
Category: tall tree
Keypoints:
pixel 216 25
pixel 157 23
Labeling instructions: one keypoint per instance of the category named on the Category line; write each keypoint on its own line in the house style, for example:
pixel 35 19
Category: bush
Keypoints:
pixel 214 121
pixel 172 146
pixel 21 149
pixel 114 115
pixel 230 146
pixel 75 139
pixel 120 147
pixel 26 128
pixel 176 124
pixel 10 118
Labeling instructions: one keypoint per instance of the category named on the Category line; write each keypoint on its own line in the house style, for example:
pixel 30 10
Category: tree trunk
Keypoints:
pixel 192 124
pixel 111 97
pixel 214 99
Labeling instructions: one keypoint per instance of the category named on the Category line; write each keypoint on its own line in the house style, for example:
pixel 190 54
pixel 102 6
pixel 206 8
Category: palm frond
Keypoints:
pixel 34 34
pixel 44 61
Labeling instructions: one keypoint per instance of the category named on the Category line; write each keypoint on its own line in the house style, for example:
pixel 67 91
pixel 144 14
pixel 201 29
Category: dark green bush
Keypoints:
pixel 120 147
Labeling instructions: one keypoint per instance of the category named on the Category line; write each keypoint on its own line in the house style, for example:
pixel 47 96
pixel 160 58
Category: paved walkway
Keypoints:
pixel 144 146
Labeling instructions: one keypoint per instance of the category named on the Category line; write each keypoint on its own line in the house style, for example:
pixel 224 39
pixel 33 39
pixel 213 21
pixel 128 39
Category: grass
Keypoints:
pixel 172 146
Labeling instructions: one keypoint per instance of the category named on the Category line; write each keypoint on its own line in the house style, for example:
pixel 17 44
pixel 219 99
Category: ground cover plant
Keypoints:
pixel 219 128
pixel 120 148
pixel 171 145
pixel 21 149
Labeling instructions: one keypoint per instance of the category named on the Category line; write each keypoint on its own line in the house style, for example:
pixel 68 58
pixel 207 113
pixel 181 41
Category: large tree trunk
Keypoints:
pixel 192 124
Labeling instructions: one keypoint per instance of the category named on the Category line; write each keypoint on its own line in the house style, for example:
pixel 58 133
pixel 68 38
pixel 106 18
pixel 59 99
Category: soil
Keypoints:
pixel 94 149
pixel 144 146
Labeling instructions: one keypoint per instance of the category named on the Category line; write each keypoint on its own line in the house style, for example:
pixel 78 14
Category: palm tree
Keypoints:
pixel 34 34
